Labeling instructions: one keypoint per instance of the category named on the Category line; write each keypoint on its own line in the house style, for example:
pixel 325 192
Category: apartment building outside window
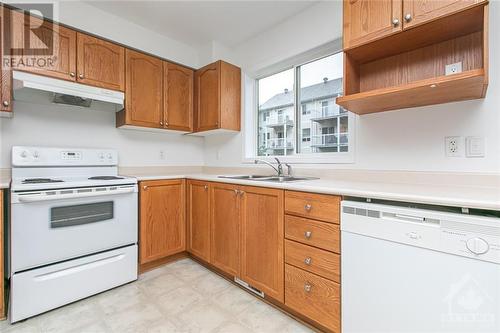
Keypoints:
pixel 305 120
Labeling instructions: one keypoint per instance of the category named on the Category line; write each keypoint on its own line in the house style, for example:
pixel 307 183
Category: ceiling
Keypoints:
pixel 201 22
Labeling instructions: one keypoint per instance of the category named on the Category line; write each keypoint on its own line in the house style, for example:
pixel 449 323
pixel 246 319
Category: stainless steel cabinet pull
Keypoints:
pixel 307 287
pixel 308 234
pixel 6 103
pixel 81 76
pixel 145 187
pixel 308 207
pixel 395 22
pixel 161 123
pixel 408 17
pixel 236 192
pixel 205 187
pixel 72 74
pixel 308 261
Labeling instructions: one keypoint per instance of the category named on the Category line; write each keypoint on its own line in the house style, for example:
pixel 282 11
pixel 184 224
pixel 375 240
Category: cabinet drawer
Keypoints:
pixel 313 296
pixel 320 262
pixel 315 206
pixel 315 233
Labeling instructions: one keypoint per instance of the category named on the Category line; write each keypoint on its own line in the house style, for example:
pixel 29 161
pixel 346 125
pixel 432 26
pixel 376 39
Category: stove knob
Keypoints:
pixel 110 156
pixel 101 156
pixel 36 154
pixel 24 154
pixel 477 245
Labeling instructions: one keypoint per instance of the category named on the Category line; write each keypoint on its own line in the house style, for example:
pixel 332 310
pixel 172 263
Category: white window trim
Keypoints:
pixel 250 118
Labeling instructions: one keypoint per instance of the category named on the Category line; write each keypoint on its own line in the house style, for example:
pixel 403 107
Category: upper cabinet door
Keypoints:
pixel 162 219
pixel 143 96
pixel 368 20
pixel 6 73
pixel 207 97
pixel 262 234
pixel 225 243
pixel 416 12
pixel 178 97
pixel 100 63
pixel 52 48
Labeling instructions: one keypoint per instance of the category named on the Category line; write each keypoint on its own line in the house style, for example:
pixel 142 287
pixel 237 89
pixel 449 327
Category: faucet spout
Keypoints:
pixel 279 169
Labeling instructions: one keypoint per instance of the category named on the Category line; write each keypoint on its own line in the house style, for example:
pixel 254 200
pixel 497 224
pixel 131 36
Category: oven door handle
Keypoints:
pixel 44 197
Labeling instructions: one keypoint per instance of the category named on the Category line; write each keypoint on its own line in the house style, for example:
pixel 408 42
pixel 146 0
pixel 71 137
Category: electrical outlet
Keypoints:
pixel 453 146
pixel 453 68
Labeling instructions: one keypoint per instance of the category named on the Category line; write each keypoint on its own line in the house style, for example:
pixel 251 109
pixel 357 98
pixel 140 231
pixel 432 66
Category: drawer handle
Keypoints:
pixel 308 207
pixel 308 234
pixel 307 287
pixel 308 261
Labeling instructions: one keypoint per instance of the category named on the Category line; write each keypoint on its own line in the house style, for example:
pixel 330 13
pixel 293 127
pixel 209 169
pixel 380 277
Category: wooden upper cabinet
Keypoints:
pixel 162 219
pixel 52 47
pixel 143 94
pixel 6 73
pixel 368 20
pixel 262 233
pixel 100 63
pixel 198 195
pixel 178 97
pixel 217 97
pixel 225 221
pixel 416 12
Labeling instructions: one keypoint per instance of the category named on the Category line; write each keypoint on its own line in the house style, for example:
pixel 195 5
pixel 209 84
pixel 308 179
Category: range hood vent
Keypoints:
pixel 44 90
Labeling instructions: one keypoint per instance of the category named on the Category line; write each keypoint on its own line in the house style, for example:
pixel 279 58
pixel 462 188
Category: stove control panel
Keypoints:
pixel 42 156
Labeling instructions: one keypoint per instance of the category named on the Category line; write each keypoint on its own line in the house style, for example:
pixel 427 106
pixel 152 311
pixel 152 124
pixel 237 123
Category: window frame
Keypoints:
pixel 251 138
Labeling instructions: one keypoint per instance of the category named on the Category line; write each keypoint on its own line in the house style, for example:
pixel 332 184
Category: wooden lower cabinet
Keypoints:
pixel 162 229
pixel 198 215
pixel 262 251
pixel 313 296
pixel 225 225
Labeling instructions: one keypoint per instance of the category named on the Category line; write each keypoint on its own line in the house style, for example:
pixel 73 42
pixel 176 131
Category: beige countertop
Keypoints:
pixel 463 195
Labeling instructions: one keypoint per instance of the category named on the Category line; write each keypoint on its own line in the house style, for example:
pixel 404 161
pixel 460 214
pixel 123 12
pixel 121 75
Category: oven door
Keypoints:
pixel 52 226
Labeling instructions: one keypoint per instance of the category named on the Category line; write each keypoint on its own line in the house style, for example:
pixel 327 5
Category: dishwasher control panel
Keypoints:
pixel 470 236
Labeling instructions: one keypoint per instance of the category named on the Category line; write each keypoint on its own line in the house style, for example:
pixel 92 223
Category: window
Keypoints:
pixel 307 120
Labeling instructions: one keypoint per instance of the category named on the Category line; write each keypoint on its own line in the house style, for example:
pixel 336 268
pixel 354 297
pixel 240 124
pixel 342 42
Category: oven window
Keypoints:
pixel 67 216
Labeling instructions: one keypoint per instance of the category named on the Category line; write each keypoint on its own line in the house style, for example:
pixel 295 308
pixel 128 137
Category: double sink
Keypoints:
pixel 276 179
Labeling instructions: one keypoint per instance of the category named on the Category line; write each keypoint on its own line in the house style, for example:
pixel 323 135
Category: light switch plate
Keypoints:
pixel 474 146
pixel 453 68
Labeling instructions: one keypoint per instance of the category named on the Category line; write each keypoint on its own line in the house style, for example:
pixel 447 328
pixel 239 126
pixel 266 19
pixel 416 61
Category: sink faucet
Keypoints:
pixel 278 169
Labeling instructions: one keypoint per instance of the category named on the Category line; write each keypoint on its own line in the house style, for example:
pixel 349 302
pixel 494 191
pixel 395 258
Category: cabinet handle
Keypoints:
pixel 242 193
pixel 408 17
pixel 6 103
pixel 236 192
pixel 395 22
pixel 205 187
pixel 72 74
pixel 81 76
pixel 308 261
pixel 161 123
pixel 144 187
pixel 166 123
pixel 307 287
pixel 308 234
pixel 308 207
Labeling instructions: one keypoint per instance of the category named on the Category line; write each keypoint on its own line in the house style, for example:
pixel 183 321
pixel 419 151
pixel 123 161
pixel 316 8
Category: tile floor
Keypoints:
pixel 180 297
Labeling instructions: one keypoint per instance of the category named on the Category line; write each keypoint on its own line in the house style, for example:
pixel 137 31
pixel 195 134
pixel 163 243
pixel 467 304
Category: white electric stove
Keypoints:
pixel 73 230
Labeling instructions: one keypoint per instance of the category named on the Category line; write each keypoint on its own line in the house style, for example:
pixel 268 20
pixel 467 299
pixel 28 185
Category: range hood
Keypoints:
pixel 39 89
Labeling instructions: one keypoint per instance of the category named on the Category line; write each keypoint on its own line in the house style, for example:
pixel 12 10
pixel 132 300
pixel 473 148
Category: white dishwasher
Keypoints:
pixel 418 270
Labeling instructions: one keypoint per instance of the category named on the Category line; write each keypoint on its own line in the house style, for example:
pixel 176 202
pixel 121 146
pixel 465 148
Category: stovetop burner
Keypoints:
pixel 41 180
pixel 105 178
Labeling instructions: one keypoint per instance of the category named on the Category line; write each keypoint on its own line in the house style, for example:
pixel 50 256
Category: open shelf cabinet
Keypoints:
pixel 408 69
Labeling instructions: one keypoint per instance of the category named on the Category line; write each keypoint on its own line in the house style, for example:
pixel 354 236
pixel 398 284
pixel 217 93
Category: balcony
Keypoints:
pixel 329 140
pixel 327 112
pixel 279 143
pixel 278 121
